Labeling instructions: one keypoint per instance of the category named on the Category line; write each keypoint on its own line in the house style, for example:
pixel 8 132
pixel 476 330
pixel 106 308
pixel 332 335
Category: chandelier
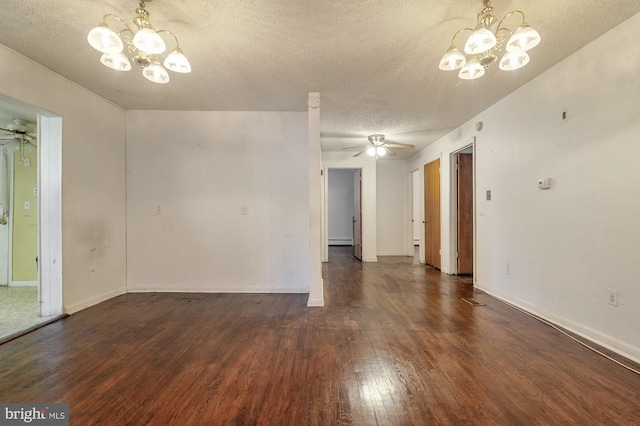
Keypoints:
pixel 485 44
pixel 145 45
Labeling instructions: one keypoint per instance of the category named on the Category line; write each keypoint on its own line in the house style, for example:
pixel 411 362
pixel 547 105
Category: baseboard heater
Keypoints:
pixel 340 241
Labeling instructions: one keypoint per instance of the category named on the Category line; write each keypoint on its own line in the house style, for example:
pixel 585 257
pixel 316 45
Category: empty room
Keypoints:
pixel 292 213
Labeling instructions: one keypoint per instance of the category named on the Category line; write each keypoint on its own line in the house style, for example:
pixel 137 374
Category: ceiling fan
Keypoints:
pixel 377 147
pixel 19 130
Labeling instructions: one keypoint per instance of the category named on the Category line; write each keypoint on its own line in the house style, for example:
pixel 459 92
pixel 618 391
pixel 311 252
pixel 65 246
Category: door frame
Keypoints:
pixel 453 207
pixel 369 218
pixel 49 134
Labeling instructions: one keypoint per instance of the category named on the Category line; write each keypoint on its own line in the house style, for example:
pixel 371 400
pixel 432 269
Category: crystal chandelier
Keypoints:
pixel 145 45
pixel 485 44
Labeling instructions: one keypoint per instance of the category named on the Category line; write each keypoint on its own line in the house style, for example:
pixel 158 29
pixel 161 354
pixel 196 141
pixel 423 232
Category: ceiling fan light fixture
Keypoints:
pixel 487 42
pixel 380 151
pixel 371 151
pixel 144 45
pixel 116 61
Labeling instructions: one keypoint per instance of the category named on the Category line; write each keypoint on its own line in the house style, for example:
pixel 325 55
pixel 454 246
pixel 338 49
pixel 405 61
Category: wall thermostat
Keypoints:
pixel 544 183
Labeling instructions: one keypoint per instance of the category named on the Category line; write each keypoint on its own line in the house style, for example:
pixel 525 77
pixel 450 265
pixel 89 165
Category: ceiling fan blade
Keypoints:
pixel 389 152
pixel 399 145
pixel 361 152
pixel 355 146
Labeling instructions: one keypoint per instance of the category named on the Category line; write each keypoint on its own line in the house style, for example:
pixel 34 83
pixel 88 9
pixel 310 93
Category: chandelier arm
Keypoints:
pixel 508 15
pixel 116 17
pixel 172 34
pixel 457 33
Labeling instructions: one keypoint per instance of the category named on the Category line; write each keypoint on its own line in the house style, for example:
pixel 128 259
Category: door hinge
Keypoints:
pixel 321 172
pixel 440 252
pixel 457 254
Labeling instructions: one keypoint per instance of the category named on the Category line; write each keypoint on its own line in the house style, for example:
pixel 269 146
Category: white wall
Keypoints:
pixel 340 198
pixel 567 245
pixel 93 178
pixel 188 176
pixel 391 189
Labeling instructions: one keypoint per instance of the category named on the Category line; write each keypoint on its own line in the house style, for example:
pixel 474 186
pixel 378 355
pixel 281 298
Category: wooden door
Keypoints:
pixel 357 214
pixel 432 213
pixel 464 170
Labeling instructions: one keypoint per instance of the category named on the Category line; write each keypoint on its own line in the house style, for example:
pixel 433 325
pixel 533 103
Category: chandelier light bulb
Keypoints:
pixel 117 61
pixel 481 40
pixel 149 41
pixel 105 40
pixel 452 60
pixel 177 62
pixel 380 151
pixel 523 39
pixel 156 73
pixel 371 151
pixel 514 60
pixel 472 70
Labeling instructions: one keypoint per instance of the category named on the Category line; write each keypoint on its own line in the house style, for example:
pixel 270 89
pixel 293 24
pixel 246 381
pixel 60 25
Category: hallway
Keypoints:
pixel 395 345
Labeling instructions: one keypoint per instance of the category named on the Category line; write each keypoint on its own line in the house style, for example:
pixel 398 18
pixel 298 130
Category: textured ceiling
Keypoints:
pixel 375 62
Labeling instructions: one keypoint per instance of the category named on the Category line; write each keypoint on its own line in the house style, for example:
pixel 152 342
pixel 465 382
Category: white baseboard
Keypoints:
pixel 72 309
pixel 595 336
pixel 23 284
pixel 144 289
pixel 340 241
pixel 370 259
pixel 317 301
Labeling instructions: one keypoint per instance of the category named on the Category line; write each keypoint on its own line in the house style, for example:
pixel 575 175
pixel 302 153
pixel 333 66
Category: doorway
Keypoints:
pixel 344 209
pixel 432 214
pixel 30 217
pixel 462 210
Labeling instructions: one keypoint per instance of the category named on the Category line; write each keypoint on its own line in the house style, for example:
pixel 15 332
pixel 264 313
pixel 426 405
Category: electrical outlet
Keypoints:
pixel 508 268
pixel 612 297
pixel 244 210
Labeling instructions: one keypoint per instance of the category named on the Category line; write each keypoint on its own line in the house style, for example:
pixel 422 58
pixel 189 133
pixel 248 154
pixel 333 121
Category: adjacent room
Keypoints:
pixel 320 213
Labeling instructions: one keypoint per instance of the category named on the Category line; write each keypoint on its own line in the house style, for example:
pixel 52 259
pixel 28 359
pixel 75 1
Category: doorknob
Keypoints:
pixel 354 220
pixel 424 221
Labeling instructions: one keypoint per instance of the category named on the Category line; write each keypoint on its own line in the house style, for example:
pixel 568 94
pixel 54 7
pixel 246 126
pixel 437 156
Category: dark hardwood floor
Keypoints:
pixel 394 345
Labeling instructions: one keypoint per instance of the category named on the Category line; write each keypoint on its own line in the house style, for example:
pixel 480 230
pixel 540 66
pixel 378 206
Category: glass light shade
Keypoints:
pixel 149 41
pixel 525 38
pixel 177 62
pixel 381 151
pixel 156 73
pixel 471 70
pixel 452 60
pixel 481 40
pixel 116 61
pixel 105 40
pixel 14 144
pixel 371 151
pixel 514 60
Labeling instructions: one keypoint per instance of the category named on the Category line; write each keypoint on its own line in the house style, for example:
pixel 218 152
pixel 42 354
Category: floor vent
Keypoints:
pixel 472 301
